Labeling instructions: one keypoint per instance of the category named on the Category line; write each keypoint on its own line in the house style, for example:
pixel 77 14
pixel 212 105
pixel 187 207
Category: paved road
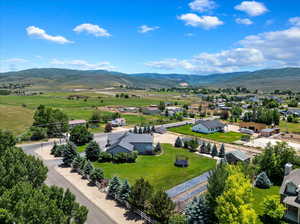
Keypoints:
pixel 95 215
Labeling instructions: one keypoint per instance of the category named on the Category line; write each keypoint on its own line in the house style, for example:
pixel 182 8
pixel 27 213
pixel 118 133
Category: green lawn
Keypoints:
pixel 227 137
pixel 290 127
pixel 160 170
pixel 260 194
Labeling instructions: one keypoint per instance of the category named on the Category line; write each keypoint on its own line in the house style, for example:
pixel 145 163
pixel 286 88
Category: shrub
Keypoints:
pixel 80 135
pixel 69 153
pixel 108 128
pixel 262 181
pixel 96 175
pixel 104 157
pixel 38 133
pixel 88 168
pixel 92 151
pixel 114 186
pixel 124 192
pixel 77 162
pixel 157 148
pixel 178 142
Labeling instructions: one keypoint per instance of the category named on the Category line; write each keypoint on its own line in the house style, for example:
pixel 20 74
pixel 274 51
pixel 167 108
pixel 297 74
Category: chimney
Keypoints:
pixel 288 168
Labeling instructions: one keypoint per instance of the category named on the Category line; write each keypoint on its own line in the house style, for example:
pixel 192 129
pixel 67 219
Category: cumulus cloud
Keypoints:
pixel 42 34
pixel 295 21
pixel 252 8
pixel 244 21
pixel 92 29
pixel 146 29
pixel 82 64
pixel 205 22
pixel 269 49
pixel 202 5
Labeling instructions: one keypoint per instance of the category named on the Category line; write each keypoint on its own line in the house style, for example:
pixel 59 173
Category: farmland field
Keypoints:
pixel 160 170
pixel 226 137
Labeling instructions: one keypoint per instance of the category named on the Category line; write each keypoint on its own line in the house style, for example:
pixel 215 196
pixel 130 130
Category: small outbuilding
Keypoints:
pixel 236 156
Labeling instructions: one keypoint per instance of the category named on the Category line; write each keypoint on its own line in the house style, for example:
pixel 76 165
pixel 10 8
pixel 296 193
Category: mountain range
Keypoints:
pixel 54 78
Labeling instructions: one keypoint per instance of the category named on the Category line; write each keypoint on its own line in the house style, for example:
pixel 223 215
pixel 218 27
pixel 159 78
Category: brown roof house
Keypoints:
pixel 290 193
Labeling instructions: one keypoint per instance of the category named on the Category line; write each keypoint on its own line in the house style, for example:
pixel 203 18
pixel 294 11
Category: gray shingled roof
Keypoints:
pixel 239 155
pixel 211 123
pixel 293 177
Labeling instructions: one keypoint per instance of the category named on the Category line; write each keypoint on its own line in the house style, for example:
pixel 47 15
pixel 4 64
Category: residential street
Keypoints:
pixel 95 214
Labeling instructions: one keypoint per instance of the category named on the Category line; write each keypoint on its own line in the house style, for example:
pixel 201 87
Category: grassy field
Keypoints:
pixel 160 170
pixel 260 194
pixel 290 127
pixel 226 137
pixel 15 118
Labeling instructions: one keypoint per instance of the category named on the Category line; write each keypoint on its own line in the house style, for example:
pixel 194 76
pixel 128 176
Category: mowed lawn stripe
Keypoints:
pixel 160 170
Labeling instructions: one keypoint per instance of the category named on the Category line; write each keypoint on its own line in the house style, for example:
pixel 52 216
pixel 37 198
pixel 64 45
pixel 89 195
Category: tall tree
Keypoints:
pixel 96 175
pixel 140 193
pixel 222 151
pixel 124 191
pixel 214 151
pixel 114 186
pixel 7 140
pixel 80 135
pixel 161 207
pixel 178 142
pixel 92 151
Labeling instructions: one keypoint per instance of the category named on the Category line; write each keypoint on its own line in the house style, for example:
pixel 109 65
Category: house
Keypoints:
pixel 74 123
pixel 173 110
pixel 118 122
pixel 128 142
pixel 246 131
pixel 236 156
pixel 256 127
pixel 267 132
pixel 129 109
pixel 208 126
pixel 151 110
pixel 295 112
pixel 290 193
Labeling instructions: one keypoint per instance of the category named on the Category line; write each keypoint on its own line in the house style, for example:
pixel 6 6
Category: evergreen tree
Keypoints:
pixel 177 219
pixel 135 130
pixel 215 187
pixel 124 191
pixel 262 181
pixel 80 135
pixel 197 211
pixel 140 193
pixel 222 151
pixel 203 147
pixel 53 149
pixel 178 142
pixel 88 168
pixel 208 148
pixel 69 154
pixel 140 130
pixel 193 145
pixel 114 186
pixel 96 175
pixel 80 215
pixel 161 207
pixel 92 151
pixel 153 129
pixel 214 151
pixel 76 162
pixel 186 144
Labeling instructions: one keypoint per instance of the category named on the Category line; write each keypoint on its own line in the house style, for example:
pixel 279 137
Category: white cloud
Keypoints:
pixel 40 33
pixel 82 64
pixel 92 29
pixel 252 8
pixel 244 21
pixel 146 29
pixel 189 34
pixel 15 60
pixel 295 21
pixel 270 49
pixel 202 5
pixel 205 22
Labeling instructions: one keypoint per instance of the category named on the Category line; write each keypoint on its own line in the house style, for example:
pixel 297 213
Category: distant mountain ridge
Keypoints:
pixel 54 78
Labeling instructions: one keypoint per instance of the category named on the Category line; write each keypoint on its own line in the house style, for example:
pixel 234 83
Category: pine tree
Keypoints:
pixel 76 162
pixel 140 193
pixel 92 151
pixel 96 175
pixel 222 151
pixel 124 191
pixel 69 154
pixel 203 147
pixel 161 207
pixel 135 130
pixel 178 142
pixel 53 149
pixel 197 211
pixel 114 186
pixel 214 151
pixel 262 181
pixel 140 130
pixel 153 129
pixel 88 168
pixel 208 148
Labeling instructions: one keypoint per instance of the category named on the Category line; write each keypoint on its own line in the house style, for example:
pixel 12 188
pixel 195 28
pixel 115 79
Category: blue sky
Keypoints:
pixel 167 36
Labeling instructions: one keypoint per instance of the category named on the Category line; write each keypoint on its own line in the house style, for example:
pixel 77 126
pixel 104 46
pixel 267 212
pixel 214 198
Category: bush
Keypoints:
pixel 69 153
pixel 114 187
pixel 58 150
pixel 262 181
pixel 104 157
pixel 108 127
pixel 123 157
pixel 158 148
pixel 38 133
pixel 96 175
pixel 178 142
pixel 77 162
pixel 80 135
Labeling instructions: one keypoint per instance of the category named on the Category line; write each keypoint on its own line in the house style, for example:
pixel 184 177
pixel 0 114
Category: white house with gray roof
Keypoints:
pixel 290 193
pixel 208 126
pixel 128 142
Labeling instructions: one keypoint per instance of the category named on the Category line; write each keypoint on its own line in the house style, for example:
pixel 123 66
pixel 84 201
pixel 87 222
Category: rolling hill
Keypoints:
pixel 53 78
